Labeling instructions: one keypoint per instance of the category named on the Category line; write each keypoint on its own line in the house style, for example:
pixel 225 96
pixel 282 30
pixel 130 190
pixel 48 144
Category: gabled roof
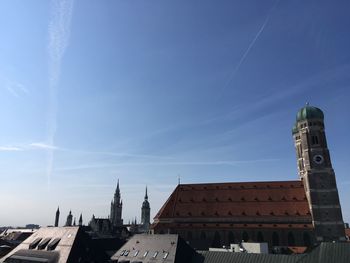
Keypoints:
pixel 155 248
pixel 243 202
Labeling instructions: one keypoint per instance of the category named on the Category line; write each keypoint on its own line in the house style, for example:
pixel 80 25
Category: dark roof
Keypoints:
pixel 279 201
pixel 324 253
pixel 328 253
pixel 227 257
pixel 155 248
pixel 70 243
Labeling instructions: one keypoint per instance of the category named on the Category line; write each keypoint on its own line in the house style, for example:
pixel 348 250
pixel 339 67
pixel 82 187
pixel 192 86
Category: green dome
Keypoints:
pixel 295 128
pixel 309 112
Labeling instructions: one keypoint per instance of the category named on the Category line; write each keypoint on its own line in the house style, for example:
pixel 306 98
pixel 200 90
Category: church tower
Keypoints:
pixel 316 171
pixel 116 209
pixel 69 219
pixel 145 213
pixel 57 218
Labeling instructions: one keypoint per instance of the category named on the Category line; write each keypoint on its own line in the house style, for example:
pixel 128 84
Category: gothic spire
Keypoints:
pixel 146 195
pixel 81 220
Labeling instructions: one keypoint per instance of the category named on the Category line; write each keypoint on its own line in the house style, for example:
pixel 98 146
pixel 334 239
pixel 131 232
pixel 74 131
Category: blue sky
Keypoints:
pixel 149 91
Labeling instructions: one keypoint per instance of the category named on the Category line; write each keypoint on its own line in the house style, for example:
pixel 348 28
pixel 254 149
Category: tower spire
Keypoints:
pixel 81 220
pixel 146 195
pixel 57 218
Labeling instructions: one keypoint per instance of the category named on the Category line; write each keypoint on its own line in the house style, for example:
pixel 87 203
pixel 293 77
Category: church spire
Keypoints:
pixel 81 220
pixel 57 218
pixel 146 195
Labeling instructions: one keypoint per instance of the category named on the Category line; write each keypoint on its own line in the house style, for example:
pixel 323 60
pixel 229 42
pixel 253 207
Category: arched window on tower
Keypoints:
pixel 291 239
pixel 275 239
pixel 260 237
pixel 306 239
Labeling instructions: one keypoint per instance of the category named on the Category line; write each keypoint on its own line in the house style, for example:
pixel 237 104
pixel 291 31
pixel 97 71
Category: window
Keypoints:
pixel 245 236
pixel 291 239
pixel 306 238
pixel 122 253
pixel 145 254
pixel 136 253
pixel 275 239
pixel 260 237
pixel 53 244
pixel 231 237
pixel 155 254
pixel 189 235
pixel 314 139
pixel 35 243
pixel 44 243
pixel 126 253
pixel 165 255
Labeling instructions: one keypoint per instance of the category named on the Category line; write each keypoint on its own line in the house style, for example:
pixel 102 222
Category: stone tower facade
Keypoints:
pixel 316 171
pixel 57 217
pixel 116 209
pixel 145 213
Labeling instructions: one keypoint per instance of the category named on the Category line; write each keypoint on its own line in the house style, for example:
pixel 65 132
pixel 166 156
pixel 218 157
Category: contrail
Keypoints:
pixel 245 54
pixel 59 29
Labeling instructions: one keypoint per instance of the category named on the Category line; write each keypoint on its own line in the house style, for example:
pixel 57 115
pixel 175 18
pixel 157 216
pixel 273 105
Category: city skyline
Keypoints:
pixel 149 92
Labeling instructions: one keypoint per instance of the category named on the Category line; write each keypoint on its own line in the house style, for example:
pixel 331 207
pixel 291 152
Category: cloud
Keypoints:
pixel 167 163
pixel 15 88
pixel 59 31
pixel 10 149
pixel 40 145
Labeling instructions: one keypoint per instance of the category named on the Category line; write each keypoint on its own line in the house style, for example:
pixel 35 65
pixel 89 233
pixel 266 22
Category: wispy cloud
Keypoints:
pixel 59 31
pixel 15 88
pixel 10 149
pixel 165 163
pixel 44 146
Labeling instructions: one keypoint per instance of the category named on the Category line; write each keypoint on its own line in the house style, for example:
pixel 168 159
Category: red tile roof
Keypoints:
pixel 281 201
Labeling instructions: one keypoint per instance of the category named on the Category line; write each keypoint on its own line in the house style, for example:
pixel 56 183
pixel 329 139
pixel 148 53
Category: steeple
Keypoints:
pixel 69 219
pixel 116 208
pixel 81 220
pixel 57 217
pixel 145 213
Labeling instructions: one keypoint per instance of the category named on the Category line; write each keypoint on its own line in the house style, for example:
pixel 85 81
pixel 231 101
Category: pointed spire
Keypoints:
pixel 74 224
pixel 58 210
pixel 81 220
pixel 117 190
pixel 146 195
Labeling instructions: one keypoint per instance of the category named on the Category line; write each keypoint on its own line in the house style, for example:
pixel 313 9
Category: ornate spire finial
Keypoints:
pixel 146 195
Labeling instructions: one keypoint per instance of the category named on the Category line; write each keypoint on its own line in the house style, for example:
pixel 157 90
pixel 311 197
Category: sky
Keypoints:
pixel 153 92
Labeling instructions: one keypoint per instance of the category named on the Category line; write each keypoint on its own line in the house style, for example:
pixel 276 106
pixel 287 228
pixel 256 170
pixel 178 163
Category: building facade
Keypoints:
pixel 282 213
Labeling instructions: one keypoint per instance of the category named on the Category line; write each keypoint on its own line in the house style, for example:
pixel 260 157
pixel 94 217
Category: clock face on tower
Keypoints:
pixel 318 159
